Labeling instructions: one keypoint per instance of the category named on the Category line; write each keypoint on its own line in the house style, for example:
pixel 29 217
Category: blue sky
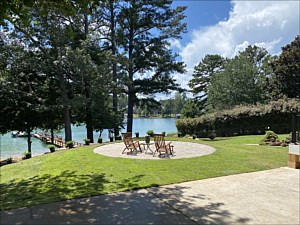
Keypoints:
pixel 228 27
pixel 203 13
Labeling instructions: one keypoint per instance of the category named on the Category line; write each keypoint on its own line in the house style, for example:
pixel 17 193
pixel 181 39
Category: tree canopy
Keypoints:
pixel 286 78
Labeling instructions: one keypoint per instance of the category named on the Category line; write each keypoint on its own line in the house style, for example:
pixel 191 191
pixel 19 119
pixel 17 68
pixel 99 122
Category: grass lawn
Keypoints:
pixel 79 172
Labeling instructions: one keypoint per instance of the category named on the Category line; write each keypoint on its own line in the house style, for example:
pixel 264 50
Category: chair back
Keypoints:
pixel 159 140
pixel 127 138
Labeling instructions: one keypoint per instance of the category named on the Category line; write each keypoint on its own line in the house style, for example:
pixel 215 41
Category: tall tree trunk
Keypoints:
pixel 52 135
pixel 88 94
pixel 130 111
pixel 65 102
pixel 29 140
pixel 114 64
pixel 88 112
pixel 131 92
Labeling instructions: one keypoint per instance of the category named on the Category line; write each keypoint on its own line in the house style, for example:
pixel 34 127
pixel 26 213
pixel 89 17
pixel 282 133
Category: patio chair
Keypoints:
pixel 161 146
pixel 130 145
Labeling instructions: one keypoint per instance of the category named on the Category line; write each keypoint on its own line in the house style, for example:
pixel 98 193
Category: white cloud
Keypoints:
pixel 269 24
pixel 175 44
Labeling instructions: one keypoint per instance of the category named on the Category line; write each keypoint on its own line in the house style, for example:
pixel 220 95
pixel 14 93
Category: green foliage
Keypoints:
pixel 144 31
pixel 173 105
pixel 242 80
pixel 192 109
pixel 203 72
pixel 212 135
pixel 70 144
pixel 286 79
pixel 9 160
pixel 150 132
pixel 50 146
pixel 270 138
pixel 243 120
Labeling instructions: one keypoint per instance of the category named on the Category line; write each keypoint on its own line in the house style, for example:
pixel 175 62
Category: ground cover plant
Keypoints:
pixel 79 172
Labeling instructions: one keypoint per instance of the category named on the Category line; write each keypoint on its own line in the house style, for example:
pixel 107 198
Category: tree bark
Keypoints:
pixel 130 111
pixel 131 92
pixel 88 112
pixel 52 135
pixel 65 102
pixel 88 94
pixel 114 64
pixel 29 141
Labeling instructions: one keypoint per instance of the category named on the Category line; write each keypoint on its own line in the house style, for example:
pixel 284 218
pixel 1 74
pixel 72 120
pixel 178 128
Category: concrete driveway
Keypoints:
pixel 265 197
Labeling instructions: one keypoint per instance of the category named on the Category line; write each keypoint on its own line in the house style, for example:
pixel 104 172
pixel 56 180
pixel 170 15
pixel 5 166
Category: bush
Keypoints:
pixel 70 144
pixel 150 133
pixel 212 135
pixel 51 148
pixel 27 155
pixel 270 138
pixel 243 120
pixel 9 160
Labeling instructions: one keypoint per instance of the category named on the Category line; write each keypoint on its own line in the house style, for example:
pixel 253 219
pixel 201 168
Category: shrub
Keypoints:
pixel 150 133
pixel 51 147
pixel 9 160
pixel 270 138
pixel 243 120
pixel 212 135
pixel 87 141
pixel 27 155
pixel 70 144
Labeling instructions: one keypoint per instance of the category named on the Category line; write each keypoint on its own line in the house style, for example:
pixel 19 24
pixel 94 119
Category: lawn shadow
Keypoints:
pixel 216 139
pixel 198 207
pixel 157 205
pixel 66 185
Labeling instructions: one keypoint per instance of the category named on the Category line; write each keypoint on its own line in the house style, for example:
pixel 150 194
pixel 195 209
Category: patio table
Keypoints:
pixel 147 146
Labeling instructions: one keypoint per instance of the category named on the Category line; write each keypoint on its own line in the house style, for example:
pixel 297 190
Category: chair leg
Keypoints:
pixel 124 150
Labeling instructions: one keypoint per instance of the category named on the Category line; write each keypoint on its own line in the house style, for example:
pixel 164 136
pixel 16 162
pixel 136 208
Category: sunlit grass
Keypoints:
pixel 80 172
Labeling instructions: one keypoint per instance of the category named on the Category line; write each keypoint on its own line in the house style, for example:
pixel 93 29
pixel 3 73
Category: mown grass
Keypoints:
pixel 79 172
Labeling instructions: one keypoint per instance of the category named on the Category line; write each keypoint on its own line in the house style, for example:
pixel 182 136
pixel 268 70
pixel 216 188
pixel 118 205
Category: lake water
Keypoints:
pixel 13 147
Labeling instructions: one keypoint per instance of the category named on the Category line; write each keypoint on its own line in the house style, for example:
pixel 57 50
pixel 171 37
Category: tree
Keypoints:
pixel 145 26
pixel 192 109
pixel 179 101
pixel 51 36
pixel 286 77
pixel 208 67
pixel 108 14
pixel 242 80
pixel 22 90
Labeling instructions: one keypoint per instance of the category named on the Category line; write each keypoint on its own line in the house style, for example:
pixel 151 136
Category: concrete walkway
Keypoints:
pixel 266 197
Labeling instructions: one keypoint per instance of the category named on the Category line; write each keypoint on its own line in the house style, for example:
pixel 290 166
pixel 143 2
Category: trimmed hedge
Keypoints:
pixel 243 120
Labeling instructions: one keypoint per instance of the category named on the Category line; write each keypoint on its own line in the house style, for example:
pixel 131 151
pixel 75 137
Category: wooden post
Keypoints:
pixel 294 152
pixel 294 161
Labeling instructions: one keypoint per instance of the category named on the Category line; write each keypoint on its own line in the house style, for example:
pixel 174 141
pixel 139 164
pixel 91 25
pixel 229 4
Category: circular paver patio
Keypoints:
pixel 181 150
